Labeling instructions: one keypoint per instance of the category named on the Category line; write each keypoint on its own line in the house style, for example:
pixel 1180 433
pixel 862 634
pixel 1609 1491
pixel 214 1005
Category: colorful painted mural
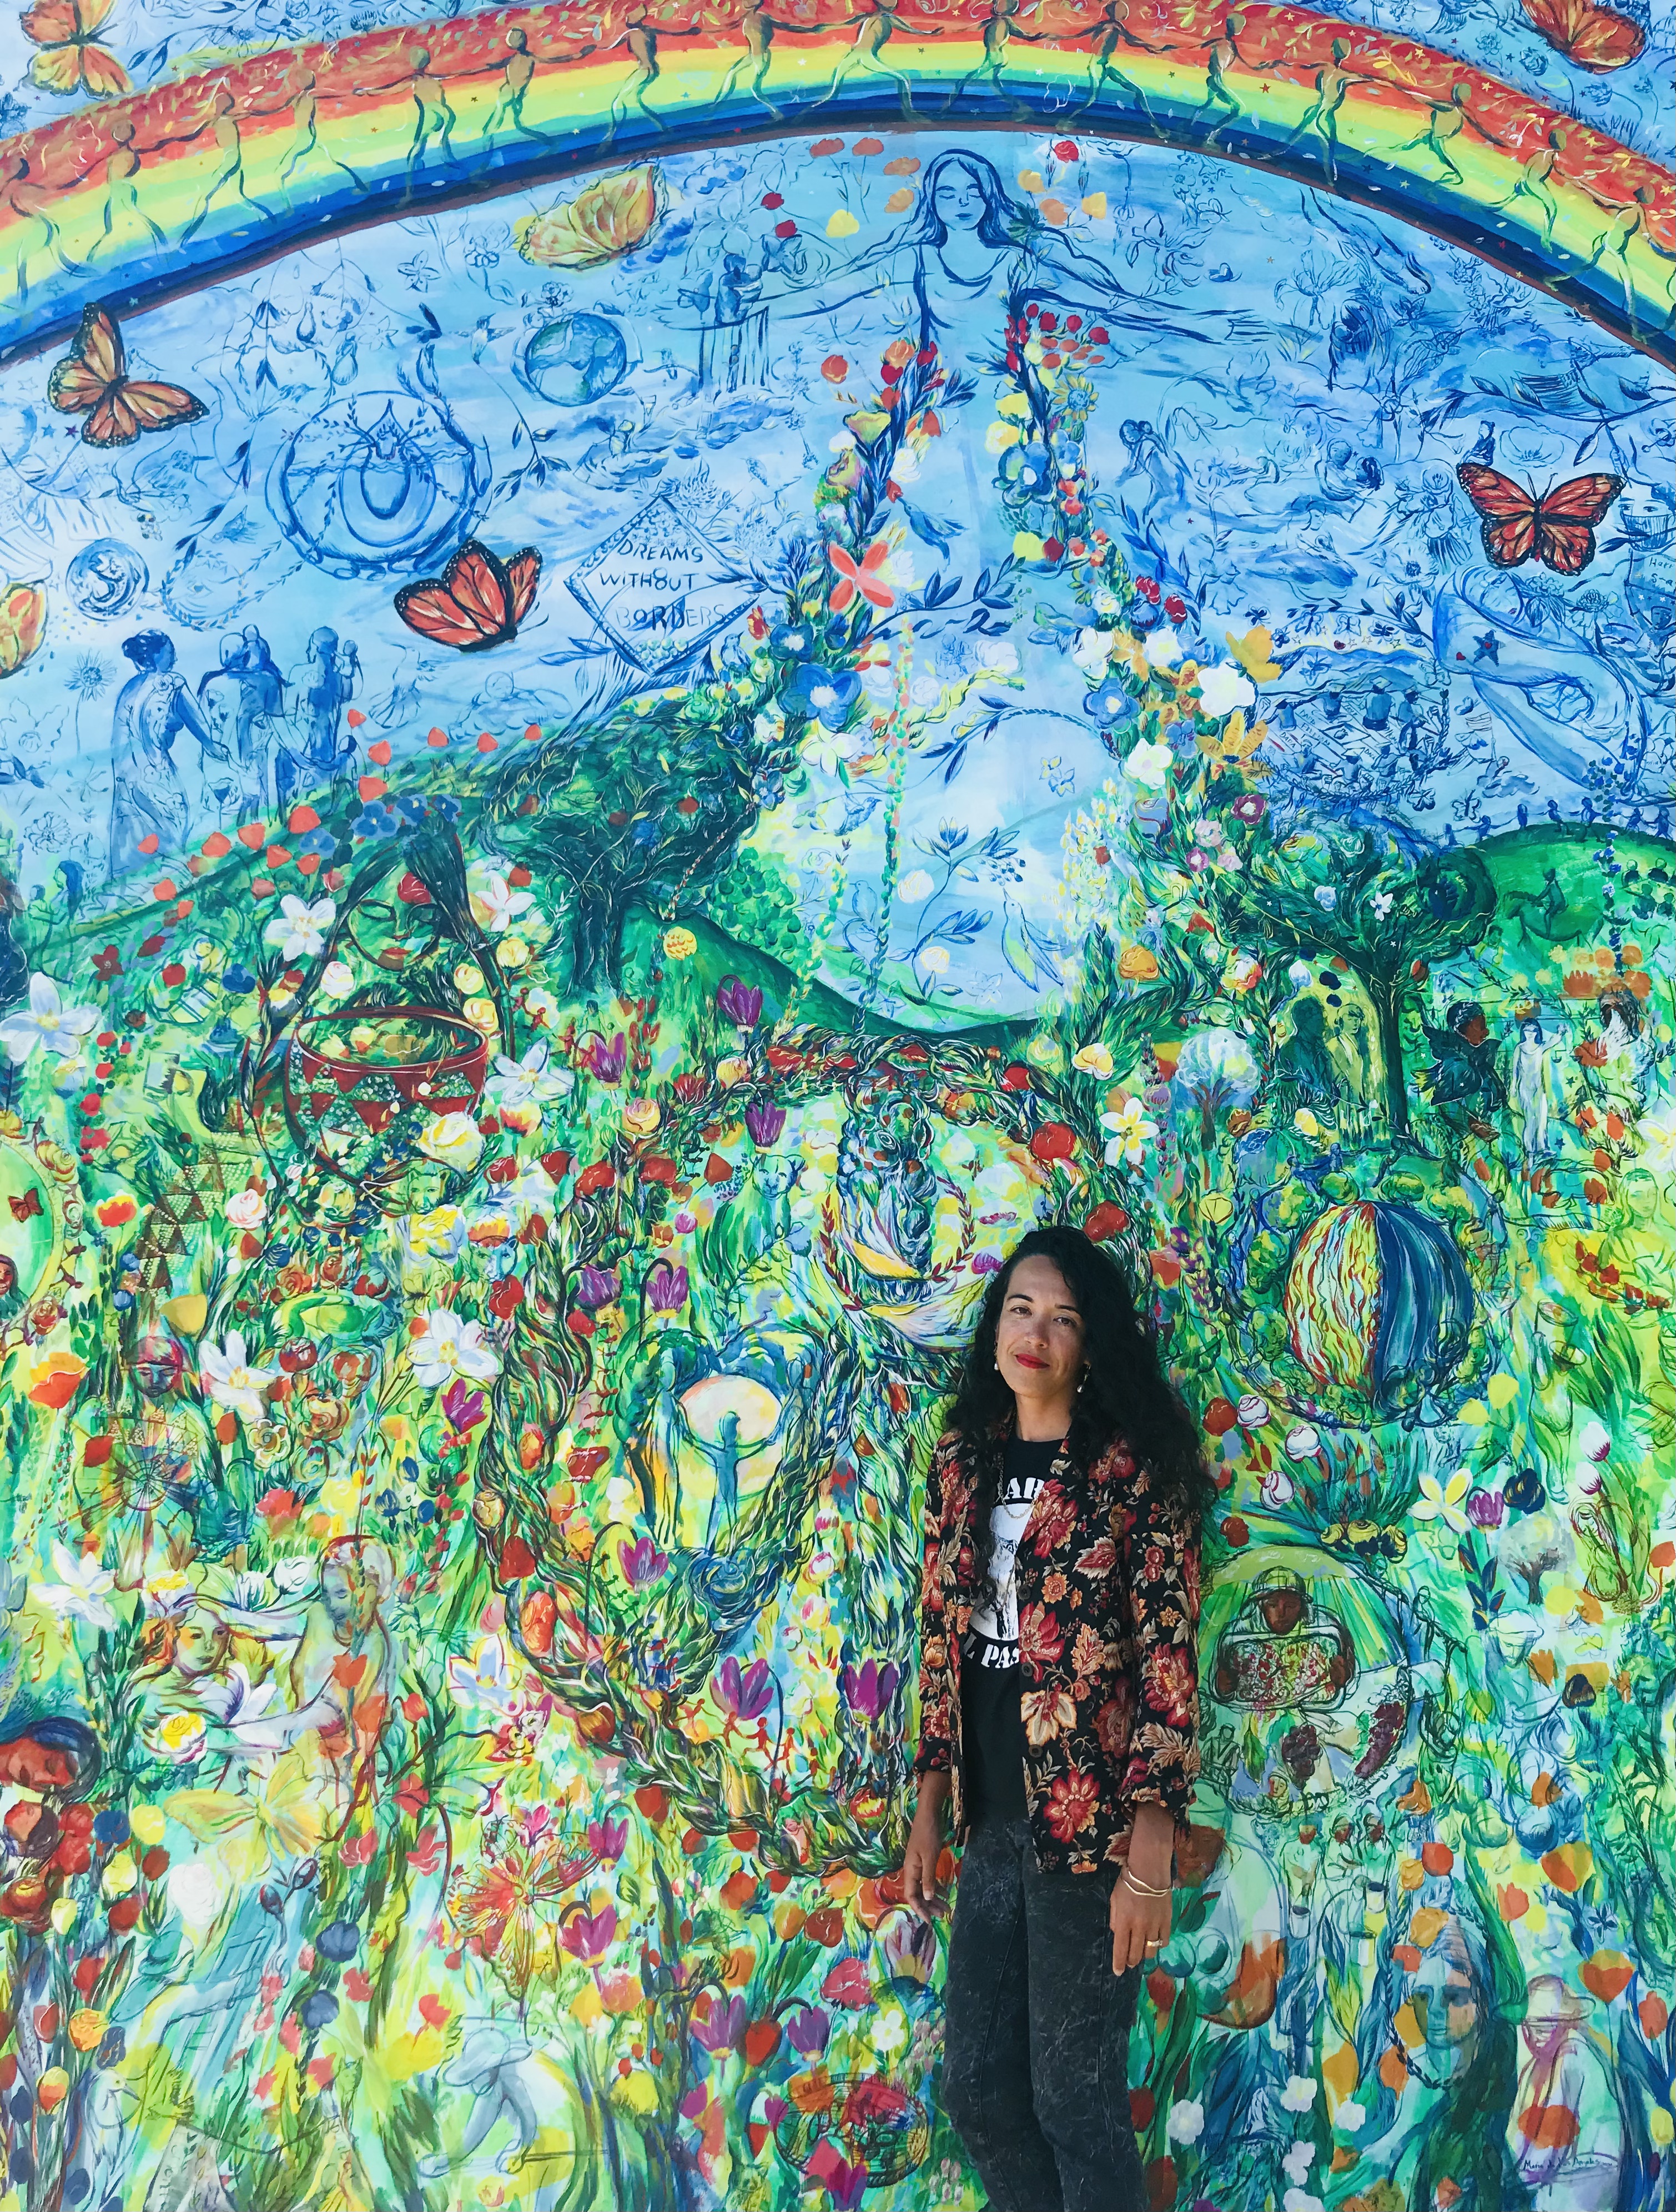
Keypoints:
pixel 663 673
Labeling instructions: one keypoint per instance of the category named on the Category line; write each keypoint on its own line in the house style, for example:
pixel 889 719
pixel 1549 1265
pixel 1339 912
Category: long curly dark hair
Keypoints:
pixel 1127 1391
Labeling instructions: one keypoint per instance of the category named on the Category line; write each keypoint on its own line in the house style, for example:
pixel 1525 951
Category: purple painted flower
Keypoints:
pixel 463 1407
pixel 666 1287
pixel 745 1694
pixel 987 1263
pixel 808 2031
pixel 775 2110
pixel 765 1121
pixel 843 2183
pixel 605 1061
pixel 910 1952
pixel 607 1837
pixel 1251 807
pixel 642 1562
pixel 870 1687
pixel 587 1936
pixel 692 2104
pixel 1484 1509
pixel 597 1286
pixel 738 1003
pixel 723 2026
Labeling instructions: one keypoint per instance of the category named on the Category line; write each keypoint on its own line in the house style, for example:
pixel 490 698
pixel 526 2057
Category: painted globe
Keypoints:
pixel 1378 1301
pixel 575 360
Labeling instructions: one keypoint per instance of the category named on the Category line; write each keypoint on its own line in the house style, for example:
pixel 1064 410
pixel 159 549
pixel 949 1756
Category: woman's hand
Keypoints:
pixel 925 1847
pixel 1141 1922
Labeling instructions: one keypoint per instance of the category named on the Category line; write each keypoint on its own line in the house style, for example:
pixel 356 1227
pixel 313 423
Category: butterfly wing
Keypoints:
pixel 523 575
pixel 128 408
pixel 1507 510
pixel 1594 36
pixel 471 608
pixel 51 24
pixel 103 74
pixel 1566 519
pixel 95 363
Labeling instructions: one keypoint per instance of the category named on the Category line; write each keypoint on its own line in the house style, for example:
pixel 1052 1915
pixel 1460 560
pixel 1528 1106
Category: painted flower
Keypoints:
pixel 1129 1131
pixel 453 1140
pixel 447 1346
pixel 298 930
pixel 80 1590
pixel 738 1003
pixel 825 694
pixel 1149 764
pixel 1224 688
pixel 1299 2094
pixel 1072 1803
pixel 438 1234
pixel 246 1209
pixel 1093 1060
pixel 1251 806
pixel 1445 1502
pixel 47 1022
pixel 1186 2123
pixel 337 979
pixel 231 1380
pixel 1163 648
pixel 916 886
pixel 494 904
pixel 1108 702
pixel 518 1089
pixel 1092 649
pixel 666 1287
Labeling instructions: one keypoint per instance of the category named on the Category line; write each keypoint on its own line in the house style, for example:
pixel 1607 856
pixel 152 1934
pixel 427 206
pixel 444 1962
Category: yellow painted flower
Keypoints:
pixel 180 1736
pixel 640 1117
pixel 999 435
pixel 468 976
pixel 1093 1060
pixel 148 1824
pixel 733 1070
pixel 65 1911
pixel 841 224
pixel 453 1140
pixel 433 1235
pixel 122 1875
pixel 481 1014
pixel 87 2028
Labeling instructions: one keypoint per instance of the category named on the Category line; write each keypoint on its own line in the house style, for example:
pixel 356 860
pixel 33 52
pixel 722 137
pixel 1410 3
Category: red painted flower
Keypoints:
pixel 1072 1803
pixel 1039 1641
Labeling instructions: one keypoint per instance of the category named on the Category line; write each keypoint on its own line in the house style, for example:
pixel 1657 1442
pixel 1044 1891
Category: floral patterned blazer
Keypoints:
pixel 1107 1575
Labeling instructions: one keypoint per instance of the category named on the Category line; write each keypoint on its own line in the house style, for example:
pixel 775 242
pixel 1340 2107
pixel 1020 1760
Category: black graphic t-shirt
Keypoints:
pixel 992 1729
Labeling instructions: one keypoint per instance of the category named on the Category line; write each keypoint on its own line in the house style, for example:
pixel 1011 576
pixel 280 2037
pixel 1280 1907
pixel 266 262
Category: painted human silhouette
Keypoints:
pixel 152 708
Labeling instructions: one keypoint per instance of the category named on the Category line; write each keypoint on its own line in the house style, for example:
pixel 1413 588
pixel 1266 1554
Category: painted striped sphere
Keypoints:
pixel 1378 1301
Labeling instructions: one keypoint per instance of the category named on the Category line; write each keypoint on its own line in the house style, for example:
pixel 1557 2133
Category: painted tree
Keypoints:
pixel 1330 894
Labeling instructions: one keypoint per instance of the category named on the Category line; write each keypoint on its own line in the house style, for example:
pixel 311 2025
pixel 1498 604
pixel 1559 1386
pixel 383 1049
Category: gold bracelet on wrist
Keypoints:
pixel 1145 1888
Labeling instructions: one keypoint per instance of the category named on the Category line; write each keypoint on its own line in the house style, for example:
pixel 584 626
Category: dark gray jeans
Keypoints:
pixel 1036 2077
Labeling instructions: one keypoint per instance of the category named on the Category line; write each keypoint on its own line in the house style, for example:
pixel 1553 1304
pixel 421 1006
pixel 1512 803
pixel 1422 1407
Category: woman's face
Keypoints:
pixel 1039 1340
pixel 959 198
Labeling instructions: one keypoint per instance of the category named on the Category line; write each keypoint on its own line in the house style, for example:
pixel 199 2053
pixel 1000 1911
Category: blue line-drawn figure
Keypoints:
pixel 495 2063
pixel 327 751
pixel 30 201
pixel 240 699
pixel 434 117
pixel 154 704
pixel 122 190
pixel 224 126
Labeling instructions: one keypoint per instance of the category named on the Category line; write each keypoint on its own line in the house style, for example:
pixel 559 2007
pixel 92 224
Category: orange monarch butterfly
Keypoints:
pixel 479 601
pixel 92 379
pixel 1594 36
pixel 864 578
pixel 1559 528
pixel 69 62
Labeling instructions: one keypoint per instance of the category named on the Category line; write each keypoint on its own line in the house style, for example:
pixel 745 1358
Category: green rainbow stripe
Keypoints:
pixel 161 193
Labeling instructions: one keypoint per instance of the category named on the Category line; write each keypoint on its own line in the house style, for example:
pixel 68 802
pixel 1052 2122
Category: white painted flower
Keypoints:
pixel 1381 902
pixel 494 904
pixel 934 959
pixel 1224 688
pixel 47 1022
pixel 1149 764
pixel 541 1007
pixel 1300 2200
pixel 246 1209
pixel 1595 1442
pixel 1093 1060
pixel 1252 1411
pixel 1129 1130
pixel 486 1683
pixel 300 930
pixel 1105 601
pixel 924 691
pixel 447 1346
pixel 453 1140
pixel 1436 1502
pixel 1299 973
pixel 1277 1490
pixel 337 979
pixel 890 2030
pixel 1092 650
pixel 239 1704
pixel 1186 2123
pixel 1302 1442
pixel 1207 832
pixel 1299 2158
pixel 231 1380
pixel 1163 648
pixel 916 886
pixel 518 1089
pixel 1299 2094
pixel 831 750
pixel 1326 898
pixel 1000 659
pixel 840 441
pixel 1351 2116
pixel 80 1590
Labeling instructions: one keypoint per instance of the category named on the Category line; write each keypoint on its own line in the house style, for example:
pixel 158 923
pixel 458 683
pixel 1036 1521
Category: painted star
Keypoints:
pixel 1489 648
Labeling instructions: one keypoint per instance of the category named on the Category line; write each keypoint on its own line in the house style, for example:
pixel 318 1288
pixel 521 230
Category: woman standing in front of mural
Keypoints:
pixel 1058 1716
